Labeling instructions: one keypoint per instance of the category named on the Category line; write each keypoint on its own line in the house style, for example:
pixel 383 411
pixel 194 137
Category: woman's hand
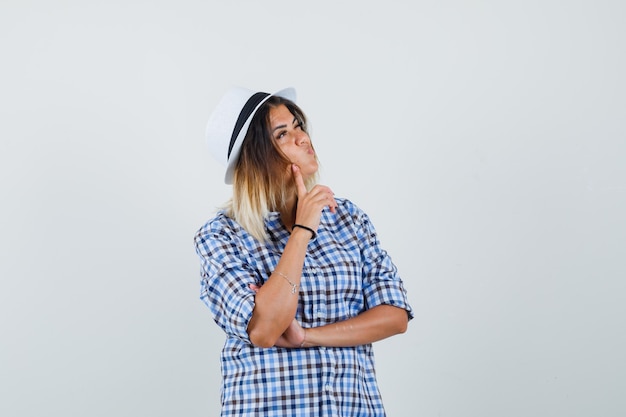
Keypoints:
pixel 311 203
pixel 293 336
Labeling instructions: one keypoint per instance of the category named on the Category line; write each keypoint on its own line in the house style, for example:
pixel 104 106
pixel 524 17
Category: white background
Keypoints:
pixel 486 139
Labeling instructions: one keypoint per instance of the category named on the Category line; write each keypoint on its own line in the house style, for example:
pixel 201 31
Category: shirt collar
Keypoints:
pixel 276 230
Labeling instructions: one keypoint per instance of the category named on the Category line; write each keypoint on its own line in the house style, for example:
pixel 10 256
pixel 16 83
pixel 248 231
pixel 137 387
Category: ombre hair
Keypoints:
pixel 262 183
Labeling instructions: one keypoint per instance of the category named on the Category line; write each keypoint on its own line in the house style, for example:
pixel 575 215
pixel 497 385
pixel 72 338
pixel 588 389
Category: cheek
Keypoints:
pixel 288 152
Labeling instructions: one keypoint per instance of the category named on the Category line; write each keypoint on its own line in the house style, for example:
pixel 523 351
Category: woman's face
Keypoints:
pixel 292 140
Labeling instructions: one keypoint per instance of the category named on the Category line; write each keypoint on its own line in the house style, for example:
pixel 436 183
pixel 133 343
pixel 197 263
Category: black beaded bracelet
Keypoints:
pixel 313 234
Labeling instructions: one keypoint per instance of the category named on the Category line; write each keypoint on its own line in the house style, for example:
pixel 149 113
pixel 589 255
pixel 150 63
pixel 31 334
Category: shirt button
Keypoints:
pixel 329 388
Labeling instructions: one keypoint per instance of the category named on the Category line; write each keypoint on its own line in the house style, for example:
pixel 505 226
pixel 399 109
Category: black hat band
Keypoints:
pixel 245 112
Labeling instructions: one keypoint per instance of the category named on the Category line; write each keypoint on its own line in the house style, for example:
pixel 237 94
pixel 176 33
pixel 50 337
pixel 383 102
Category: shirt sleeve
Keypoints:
pixel 381 282
pixel 225 279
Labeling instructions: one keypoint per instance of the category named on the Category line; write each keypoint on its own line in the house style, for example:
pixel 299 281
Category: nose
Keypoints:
pixel 302 138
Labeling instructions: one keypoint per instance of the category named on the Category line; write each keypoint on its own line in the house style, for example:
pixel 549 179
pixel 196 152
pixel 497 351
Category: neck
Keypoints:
pixel 288 214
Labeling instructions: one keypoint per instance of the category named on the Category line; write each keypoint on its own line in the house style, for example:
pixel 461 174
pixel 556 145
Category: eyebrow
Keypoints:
pixel 295 120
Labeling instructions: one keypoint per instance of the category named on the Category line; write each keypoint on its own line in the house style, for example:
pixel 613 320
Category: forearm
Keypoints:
pixel 276 302
pixel 370 326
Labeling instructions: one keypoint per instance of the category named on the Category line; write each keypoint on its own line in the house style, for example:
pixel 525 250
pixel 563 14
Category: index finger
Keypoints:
pixel 297 176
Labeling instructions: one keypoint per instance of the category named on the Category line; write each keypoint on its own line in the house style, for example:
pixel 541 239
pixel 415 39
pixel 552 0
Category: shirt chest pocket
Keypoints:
pixel 330 293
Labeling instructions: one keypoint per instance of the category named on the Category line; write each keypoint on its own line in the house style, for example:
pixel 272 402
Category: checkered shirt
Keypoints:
pixel 345 272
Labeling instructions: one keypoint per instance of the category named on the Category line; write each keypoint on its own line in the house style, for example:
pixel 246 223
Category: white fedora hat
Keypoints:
pixel 229 122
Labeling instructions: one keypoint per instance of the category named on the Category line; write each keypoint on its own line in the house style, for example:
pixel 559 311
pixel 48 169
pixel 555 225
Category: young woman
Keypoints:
pixel 295 276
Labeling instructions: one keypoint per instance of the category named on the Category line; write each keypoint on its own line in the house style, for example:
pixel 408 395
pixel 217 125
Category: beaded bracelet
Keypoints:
pixel 313 234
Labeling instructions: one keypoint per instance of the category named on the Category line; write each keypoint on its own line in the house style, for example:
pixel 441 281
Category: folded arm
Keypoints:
pixel 373 325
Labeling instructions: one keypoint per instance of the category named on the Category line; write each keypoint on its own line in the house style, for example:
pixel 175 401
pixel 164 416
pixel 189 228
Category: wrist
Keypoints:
pixel 297 226
pixel 301 234
pixel 303 339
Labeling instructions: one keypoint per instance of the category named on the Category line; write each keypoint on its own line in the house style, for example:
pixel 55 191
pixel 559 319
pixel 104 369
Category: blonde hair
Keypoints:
pixel 261 182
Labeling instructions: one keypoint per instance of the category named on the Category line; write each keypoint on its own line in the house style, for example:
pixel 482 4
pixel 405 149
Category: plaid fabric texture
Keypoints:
pixel 345 272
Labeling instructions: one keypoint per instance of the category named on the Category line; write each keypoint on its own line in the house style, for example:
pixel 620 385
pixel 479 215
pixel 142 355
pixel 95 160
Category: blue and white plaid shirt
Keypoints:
pixel 345 272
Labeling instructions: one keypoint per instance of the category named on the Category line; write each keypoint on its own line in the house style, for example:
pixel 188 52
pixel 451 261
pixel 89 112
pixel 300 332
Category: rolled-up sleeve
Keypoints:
pixel 225 279
pixel 381 282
